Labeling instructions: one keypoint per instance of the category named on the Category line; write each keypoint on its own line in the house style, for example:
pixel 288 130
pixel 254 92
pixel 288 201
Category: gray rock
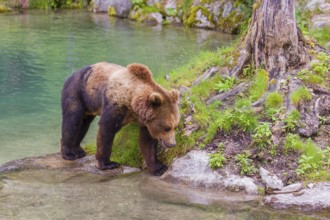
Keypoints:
pixel 320 21
pixel 271 181
pixel 152 2
pixel 170 5
pixel 173 20
pixel 295 187
pixel 328 45
pixel 122 7
pixel 313 199
pixel 202 21
pixel 55 162
pixel 321 5
pixel 227 9
pixel 193 170
pixel 154 18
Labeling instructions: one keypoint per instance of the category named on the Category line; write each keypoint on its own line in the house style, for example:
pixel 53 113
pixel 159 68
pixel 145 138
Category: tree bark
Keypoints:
pixel 273 41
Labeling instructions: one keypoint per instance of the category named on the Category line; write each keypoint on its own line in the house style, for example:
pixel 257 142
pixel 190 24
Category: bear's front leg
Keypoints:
pixel 148 148
pixel 109 124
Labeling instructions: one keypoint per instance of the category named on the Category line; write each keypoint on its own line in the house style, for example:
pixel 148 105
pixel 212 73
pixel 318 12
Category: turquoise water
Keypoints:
pixel 38 50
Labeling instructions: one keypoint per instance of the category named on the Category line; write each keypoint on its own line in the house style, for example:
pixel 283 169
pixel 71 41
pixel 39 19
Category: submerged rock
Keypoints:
pixel 311 199
pixel 55 162
pixel 193 170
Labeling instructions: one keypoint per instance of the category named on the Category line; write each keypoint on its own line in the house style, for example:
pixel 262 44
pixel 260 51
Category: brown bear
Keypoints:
pixel 119 95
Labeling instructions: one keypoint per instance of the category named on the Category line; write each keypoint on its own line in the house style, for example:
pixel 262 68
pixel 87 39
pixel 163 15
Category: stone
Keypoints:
pixel 321 5
pixel 170 7
pixel 311 199
pixel 328 45
pixel 295 187
pixel 121 7
pixel 202 21
pixel 86 164
pixel 154 18
pixel 271 180
pixel 227 9
pixel 193 170
pixel 320 21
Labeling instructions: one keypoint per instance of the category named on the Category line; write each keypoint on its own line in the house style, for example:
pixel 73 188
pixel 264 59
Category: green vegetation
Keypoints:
pixel 189 18
pixel 225 84
pixel 262 135
pixel 245 163
pixel 56 4
pixel 300 95
pixel 4 9
pixel 318 73
pixel 291 120
pixel 260 84
pixel 273 100
pixel 313 163
pixel 217 160
pixel 125 148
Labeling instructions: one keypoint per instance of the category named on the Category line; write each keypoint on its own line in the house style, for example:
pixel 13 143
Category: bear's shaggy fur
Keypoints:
pixel 120 95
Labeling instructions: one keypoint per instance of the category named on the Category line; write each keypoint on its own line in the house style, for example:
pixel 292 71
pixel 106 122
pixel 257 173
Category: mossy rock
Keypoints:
pixel 112 11
pixel 190 18
pixel 232 23
pixel 4 9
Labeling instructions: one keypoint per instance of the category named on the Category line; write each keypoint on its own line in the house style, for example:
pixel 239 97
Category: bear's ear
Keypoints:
pixel 175 94
pixel 155 99
pixel 140 71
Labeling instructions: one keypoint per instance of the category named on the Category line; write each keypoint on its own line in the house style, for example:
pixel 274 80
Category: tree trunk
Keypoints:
pixel 273 41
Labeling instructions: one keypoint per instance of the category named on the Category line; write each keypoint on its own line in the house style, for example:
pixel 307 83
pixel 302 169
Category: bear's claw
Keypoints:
pixel 161 170
pixel 109 166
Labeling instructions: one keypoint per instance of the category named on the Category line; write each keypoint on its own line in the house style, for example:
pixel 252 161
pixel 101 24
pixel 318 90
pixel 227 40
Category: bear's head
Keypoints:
pixel 166 116
pixel 155 107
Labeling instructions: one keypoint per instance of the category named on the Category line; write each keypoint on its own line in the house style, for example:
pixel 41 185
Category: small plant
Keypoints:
pixel 171 11
pixel 262 135
pixel 217 160
pixel 273 100
pixel 291 120
pixel 293 142
pixel 260 84
pixel 245 163
pixel 226 84
pixel 306 164
pixel 300 95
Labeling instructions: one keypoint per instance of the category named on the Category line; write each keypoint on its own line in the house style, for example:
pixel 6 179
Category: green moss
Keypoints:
pixel 300 95
pixel 189 18
pixel 4 9
pixel 273 100
pixel 112 11
pixel 125 148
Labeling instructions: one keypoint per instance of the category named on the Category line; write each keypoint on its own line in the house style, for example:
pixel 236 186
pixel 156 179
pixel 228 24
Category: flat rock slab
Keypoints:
pixel 314 199
pixel 55 162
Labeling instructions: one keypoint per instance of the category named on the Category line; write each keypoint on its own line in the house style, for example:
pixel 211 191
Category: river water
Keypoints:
pixel 38 51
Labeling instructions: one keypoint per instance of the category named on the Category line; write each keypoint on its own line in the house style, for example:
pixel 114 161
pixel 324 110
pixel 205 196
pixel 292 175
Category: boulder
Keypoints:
pixel 193 170
pixel 321 5
pixel 272 181
pixel 119 8
pixel 309 200
pixel 202 20
pixel 154 18
pixel 320 21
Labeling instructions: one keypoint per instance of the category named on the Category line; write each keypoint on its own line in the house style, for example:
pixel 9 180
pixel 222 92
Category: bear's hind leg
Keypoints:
pixel 72 126
pixel 148 148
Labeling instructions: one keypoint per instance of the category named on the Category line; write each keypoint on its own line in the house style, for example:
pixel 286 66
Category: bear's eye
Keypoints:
pixel 167 129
